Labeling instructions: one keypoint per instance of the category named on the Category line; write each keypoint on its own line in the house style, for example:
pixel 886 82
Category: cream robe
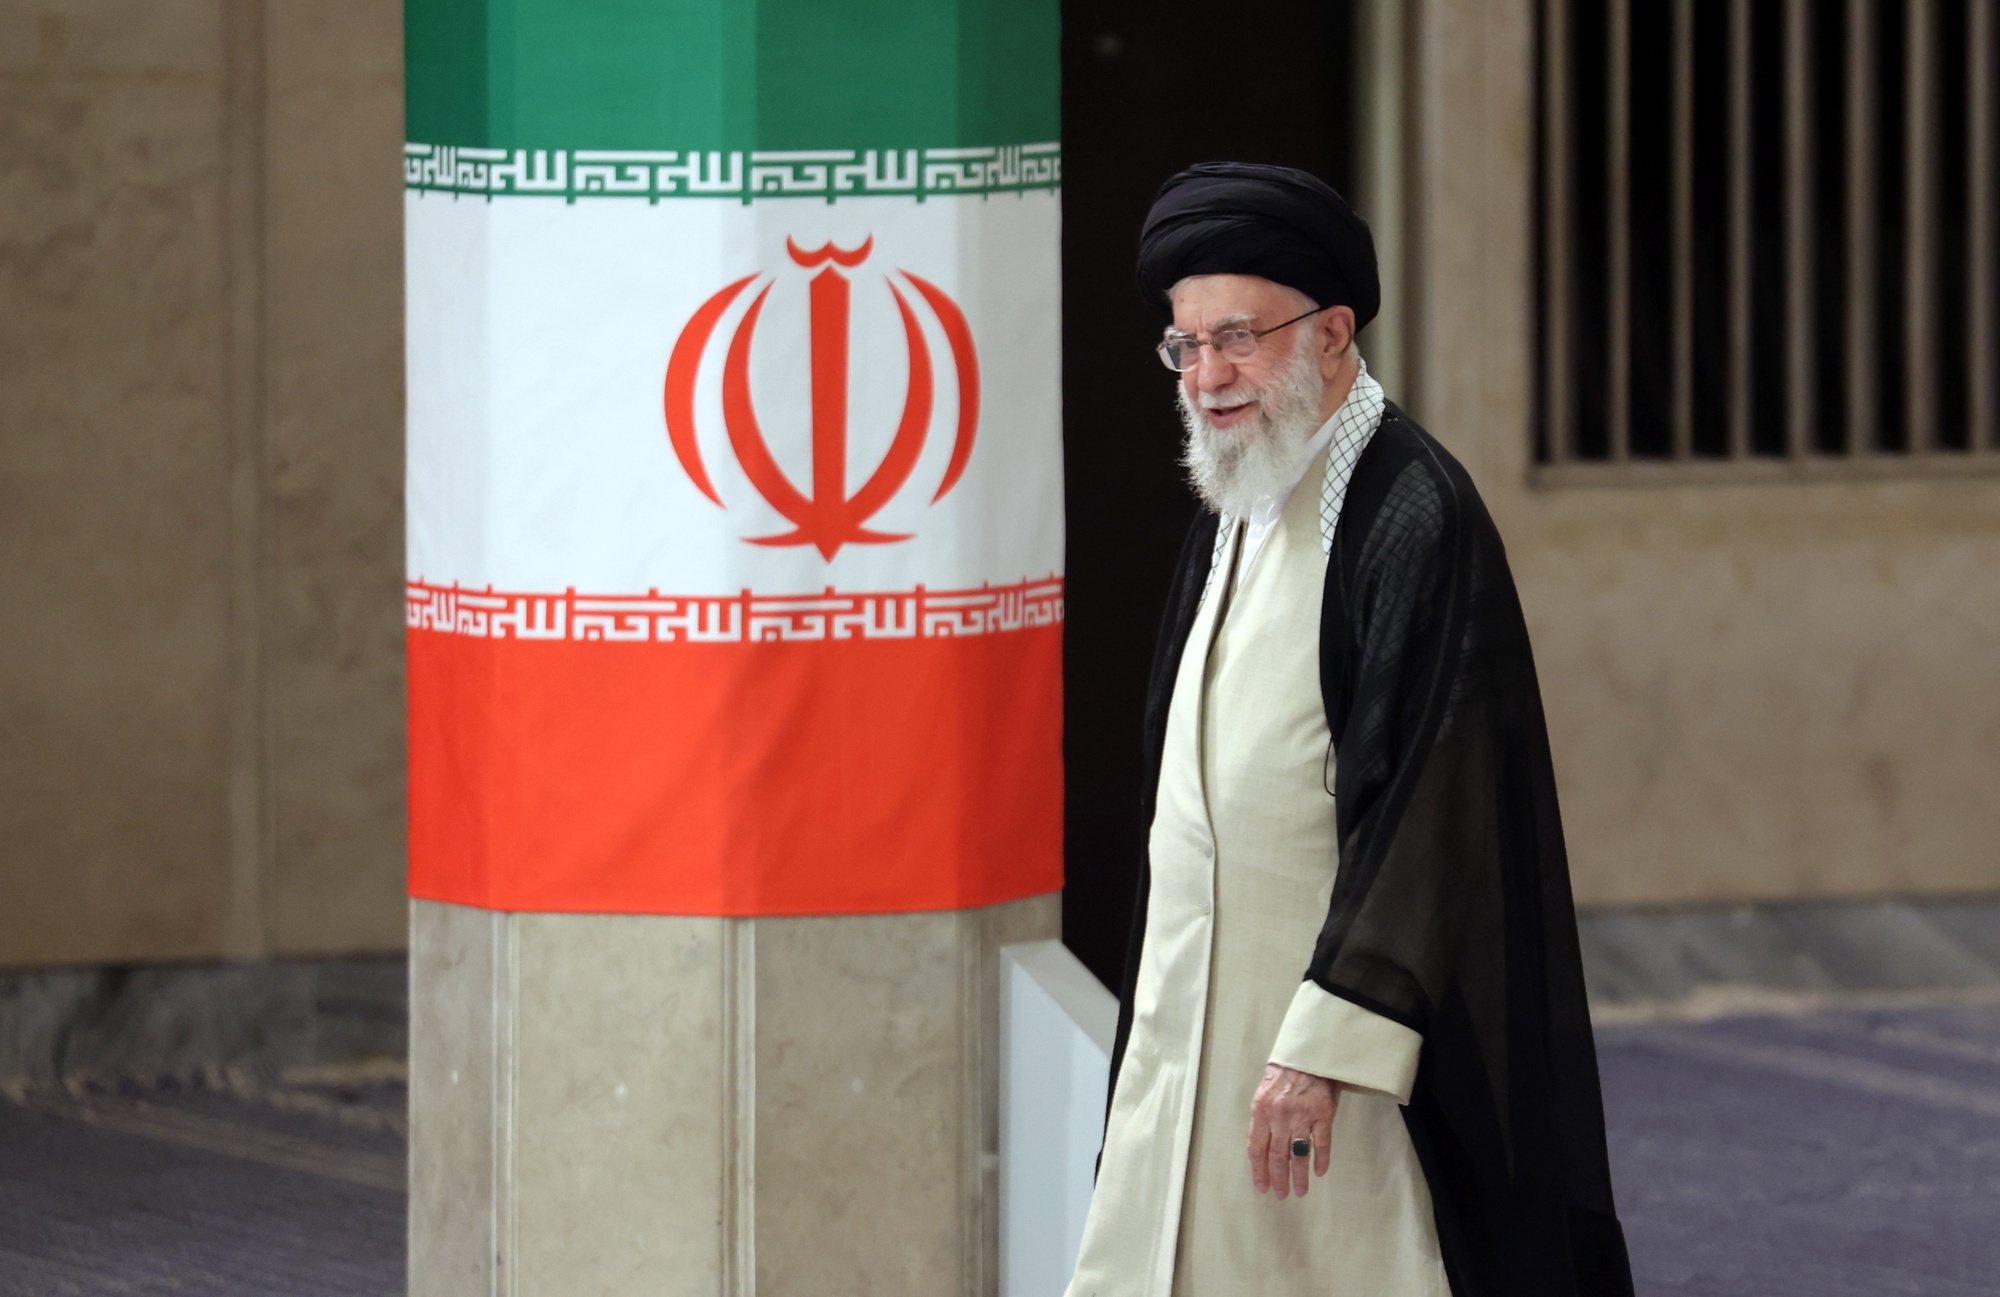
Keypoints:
pixel 1242 845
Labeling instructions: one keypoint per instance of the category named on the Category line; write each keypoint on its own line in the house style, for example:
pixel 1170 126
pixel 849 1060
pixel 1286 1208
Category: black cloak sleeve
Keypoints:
pixel 1451 910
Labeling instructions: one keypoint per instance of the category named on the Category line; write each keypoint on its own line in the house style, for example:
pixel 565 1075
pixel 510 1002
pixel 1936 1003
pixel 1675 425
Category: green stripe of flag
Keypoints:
pixel 730 74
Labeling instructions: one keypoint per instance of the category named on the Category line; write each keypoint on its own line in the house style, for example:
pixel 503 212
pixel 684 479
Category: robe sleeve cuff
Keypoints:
pixel 1325 1035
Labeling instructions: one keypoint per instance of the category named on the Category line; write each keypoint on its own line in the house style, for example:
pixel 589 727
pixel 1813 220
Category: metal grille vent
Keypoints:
pixel 1767 235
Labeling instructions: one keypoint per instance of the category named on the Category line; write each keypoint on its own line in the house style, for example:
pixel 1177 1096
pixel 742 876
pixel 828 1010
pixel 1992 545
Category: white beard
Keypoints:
pixel 1231 469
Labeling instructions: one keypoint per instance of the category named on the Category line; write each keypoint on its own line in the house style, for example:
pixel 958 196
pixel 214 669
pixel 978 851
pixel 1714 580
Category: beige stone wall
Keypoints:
pixel 1776 689
pixel 333 455
pixel 200 479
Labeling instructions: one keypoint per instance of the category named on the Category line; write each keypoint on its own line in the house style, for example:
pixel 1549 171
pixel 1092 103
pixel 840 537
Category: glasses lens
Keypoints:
pixel 1174 354
pixel 1237 344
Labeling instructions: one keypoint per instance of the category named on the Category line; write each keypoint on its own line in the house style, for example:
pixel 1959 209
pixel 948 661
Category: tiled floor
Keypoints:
pixel 1836 1154
pixel 233 1189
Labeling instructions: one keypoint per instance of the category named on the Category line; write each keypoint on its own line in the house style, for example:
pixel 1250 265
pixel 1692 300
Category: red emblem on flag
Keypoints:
pixel 826 515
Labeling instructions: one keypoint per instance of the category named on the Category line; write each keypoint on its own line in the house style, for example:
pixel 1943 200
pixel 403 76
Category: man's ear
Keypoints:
pixel 1336 332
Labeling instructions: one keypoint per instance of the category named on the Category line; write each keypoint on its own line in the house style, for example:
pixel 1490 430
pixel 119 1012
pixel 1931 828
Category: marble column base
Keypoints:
pixel 611 1104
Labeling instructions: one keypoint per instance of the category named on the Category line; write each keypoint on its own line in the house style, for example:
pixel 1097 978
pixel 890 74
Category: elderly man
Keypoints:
pixel 1352 782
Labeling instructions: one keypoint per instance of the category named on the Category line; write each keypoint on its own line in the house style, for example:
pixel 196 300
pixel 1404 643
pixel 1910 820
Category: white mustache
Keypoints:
pixel 1227 400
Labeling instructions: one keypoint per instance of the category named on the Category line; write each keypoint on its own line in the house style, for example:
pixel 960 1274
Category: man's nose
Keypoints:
pixel 1212 369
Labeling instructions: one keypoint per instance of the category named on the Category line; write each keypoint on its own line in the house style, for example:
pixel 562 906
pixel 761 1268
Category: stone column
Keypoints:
pixel 734 602
pixel 623 1104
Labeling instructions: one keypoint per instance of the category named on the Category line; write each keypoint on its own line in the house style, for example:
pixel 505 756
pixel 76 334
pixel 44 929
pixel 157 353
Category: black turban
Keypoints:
pixel 1247 218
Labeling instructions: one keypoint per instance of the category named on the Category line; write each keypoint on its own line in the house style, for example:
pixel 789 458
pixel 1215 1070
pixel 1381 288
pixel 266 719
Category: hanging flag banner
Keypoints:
pixel 734 458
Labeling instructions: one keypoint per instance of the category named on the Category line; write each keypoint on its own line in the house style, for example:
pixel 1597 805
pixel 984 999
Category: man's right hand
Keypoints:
pixel 1289 1105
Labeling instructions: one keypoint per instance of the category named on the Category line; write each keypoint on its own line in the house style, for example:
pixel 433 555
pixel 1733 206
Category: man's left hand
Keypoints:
pixel 1289 1105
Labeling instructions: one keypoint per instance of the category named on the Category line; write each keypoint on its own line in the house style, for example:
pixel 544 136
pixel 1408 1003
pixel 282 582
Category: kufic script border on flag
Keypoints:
pixel 745 175
pixel 742 618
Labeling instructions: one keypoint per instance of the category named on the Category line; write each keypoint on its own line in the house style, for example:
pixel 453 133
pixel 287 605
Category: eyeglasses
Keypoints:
pixel 1180 352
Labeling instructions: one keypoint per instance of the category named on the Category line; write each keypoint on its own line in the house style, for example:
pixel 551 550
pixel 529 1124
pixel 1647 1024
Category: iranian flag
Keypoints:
pixel 734 470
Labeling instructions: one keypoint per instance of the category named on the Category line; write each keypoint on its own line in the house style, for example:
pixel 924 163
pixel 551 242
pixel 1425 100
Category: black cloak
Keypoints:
pixel 1451 909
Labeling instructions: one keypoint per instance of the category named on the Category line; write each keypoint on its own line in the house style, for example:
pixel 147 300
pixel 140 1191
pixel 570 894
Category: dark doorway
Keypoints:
pixel 1146 92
